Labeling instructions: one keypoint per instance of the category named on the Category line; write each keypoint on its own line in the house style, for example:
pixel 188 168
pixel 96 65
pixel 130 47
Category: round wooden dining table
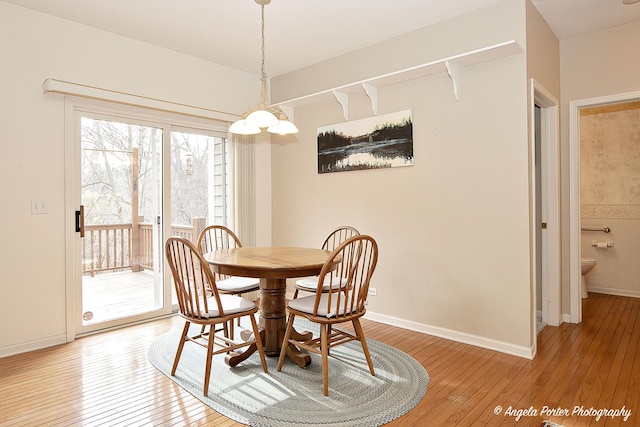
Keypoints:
pixel 273 265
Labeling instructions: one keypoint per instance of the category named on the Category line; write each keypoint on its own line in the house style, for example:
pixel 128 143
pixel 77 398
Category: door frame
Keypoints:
pixel 550 200
pixel 575 293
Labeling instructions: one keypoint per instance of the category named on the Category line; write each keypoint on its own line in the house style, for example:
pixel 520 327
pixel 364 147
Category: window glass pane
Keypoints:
pixel 199 184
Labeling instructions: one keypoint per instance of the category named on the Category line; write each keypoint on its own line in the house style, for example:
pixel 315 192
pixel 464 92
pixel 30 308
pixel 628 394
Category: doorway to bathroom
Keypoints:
pixel 545 229
pixel 604 165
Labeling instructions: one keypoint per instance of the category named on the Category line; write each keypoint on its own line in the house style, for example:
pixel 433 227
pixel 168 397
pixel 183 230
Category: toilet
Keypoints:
pixel 586 265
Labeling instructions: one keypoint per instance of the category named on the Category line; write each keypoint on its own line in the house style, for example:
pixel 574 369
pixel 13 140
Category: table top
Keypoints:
pixel 268 262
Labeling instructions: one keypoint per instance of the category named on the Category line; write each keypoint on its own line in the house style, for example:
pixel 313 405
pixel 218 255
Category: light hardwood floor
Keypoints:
pixel 106 380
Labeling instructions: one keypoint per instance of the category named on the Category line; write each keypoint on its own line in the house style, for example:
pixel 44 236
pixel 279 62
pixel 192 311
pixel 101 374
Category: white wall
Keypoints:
pixel 35 47
pixel 453 229
pixel 543 52
pixel 602 63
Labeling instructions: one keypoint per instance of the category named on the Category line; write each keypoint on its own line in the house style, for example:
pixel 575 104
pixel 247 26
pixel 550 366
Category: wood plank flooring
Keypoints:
pixel 106 380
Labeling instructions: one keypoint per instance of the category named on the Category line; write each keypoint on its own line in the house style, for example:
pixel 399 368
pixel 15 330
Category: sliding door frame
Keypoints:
pixel 164 120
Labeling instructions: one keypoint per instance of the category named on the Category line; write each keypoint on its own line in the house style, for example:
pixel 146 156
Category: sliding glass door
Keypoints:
pixel 131 175
pixel 121 188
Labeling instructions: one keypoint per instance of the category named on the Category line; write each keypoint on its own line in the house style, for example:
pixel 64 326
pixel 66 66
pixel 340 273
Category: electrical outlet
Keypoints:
pixel 373 291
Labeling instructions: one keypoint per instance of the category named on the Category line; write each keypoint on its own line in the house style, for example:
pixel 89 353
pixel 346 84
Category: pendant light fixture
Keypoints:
pixel 253 121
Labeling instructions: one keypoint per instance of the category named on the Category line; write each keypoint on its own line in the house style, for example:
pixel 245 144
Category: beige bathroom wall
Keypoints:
pixel 610 195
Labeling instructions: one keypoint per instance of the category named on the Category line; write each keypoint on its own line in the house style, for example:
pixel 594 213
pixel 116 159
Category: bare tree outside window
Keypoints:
pixel 189 177
pixel 198 173
pixel 122 182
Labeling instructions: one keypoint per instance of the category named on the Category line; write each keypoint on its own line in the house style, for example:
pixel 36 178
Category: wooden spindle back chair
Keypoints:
pixel 355 259
pixel 200 303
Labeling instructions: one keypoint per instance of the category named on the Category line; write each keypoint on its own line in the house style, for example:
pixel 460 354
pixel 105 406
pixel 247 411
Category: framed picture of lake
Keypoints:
pixel 384 141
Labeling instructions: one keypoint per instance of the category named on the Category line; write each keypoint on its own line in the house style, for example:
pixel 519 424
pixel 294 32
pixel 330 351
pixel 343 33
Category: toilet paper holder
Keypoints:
pixel 597 244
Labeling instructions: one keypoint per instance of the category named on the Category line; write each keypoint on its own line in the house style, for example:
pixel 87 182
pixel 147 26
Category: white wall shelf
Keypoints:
pixel 370 86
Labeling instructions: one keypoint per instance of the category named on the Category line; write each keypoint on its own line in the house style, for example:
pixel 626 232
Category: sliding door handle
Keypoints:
pixel 80 221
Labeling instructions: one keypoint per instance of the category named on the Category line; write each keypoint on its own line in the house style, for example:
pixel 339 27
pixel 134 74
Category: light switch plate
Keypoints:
pixel 38 207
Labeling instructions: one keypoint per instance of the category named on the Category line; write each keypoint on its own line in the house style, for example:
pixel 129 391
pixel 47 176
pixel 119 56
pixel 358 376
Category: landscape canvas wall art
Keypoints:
pixel 376 142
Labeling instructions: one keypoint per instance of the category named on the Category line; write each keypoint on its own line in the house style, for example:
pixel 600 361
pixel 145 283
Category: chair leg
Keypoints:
pixel 231 331
pixel 295 294
pixel 258 338
pixel 324 347
pixel 183 339
pixel 360 333
pixel 285 341
pixel 207 370
pixel 240 295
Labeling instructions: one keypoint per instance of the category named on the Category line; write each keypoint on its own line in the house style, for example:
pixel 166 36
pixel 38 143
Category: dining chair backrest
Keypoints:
pixel 334 239
pixel 215 238
pixel 193 280
pixel 353 261
pixel 338 236
pixel 331 242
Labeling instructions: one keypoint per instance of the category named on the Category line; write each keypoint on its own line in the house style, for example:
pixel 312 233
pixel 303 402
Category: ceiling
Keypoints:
pixel 299 33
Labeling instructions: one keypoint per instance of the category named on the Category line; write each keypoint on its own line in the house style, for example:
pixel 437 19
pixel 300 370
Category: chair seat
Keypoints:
pixel 231 304
pixel 306 304
pixel 237 284
pixel 311 283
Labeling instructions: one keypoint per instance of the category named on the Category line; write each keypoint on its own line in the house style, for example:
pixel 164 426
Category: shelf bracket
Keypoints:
pixel 288 111
pixel 343 99
pixel 372 93
pixel 453 71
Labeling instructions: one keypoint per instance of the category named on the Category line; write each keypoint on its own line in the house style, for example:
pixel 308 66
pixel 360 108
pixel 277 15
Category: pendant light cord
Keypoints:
pixel 263 96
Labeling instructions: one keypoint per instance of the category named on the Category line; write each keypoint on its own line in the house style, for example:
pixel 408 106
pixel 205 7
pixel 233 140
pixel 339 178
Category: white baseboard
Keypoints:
pixel 32 345
pixel 449 334
pixel 611 291
pixel 452 335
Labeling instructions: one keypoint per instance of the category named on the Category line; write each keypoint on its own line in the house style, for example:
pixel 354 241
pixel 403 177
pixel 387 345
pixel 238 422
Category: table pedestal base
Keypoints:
pixel 272 324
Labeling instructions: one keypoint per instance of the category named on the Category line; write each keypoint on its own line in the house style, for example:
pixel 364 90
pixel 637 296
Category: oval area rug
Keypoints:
pixel 293 397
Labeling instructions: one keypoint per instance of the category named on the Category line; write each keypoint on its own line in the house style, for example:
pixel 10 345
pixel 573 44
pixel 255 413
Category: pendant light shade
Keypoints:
pixel 284 126
pixel 262 118
pixel 265 116
pixel 242 127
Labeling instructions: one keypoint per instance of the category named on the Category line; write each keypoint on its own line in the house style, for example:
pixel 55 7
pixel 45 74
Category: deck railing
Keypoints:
pixel 110 247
